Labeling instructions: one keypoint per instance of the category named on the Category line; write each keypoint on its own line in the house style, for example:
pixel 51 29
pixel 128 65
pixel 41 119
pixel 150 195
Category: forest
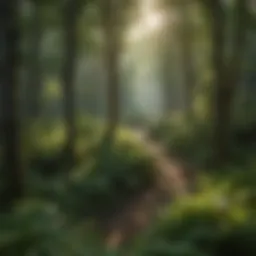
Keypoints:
pixel 128 128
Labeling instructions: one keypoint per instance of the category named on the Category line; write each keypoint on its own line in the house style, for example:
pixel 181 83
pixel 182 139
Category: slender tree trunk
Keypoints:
pixel 222 96
pixel 227 73
pixel 166 74
pixel 34 86
pixel 227 84
pixel 110 9
pixel 70 41
pixel 169 104
pixel 186 44
pixel 13 187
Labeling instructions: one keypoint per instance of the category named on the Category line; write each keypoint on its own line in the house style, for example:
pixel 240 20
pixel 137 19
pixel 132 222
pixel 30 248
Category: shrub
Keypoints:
pixel 105 178
pixel 39 228
pixel 192 141
pixel 44 146
pixel 188 141
pixel 29 228
pixel 168 249
pixel 211 222
pixel 108 181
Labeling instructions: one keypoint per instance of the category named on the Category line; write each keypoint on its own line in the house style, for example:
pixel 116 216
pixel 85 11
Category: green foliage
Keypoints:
pixel 219 219
pixel 211 222
pixel 192 141
pixel 39 228
pixel 115 174
pixel 189 141
pixel 215 221
pixel 105 176
pixel 45 140
pixel 52 219
pixel 167 249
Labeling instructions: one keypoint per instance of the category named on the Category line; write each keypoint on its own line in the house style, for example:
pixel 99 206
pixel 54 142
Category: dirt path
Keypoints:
pixel 170 183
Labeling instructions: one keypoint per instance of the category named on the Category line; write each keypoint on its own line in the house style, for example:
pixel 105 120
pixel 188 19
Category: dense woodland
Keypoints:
pixel 128 127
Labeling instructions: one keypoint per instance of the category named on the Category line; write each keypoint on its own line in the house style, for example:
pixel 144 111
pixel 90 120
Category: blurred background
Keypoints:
pixel 128 127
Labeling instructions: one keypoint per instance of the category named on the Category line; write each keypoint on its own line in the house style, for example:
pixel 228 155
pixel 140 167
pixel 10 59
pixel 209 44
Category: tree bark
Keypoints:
pixel 166 70
pixel 110 9
pixel 186 44
pixel 227 84
pixel 34 86
pixel 222 97
pixel 168 92
pixel 12 167
pixel 70 50
pixel 226 73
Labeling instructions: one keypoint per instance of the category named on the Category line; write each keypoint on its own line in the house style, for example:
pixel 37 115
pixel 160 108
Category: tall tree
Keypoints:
pixel 111 25
pixel 187 53
pixel 70 16
pixel 180 37
pixel 227 71
pixel 12 167
pixel 166 68
pixel 34 85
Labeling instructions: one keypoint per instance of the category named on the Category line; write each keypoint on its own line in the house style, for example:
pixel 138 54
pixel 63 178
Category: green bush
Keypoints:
pixel 175 249
pixel 192 141
pixel 45 143
pixel 111 178
pixel 39 228
pixel 188 141
pixel 105 178
pixel 216 221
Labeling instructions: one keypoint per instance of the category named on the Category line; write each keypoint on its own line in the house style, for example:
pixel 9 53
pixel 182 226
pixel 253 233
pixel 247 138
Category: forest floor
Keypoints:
pixel 171 182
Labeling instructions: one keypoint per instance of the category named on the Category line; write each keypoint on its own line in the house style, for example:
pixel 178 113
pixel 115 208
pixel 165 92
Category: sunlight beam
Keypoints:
pixel 149 23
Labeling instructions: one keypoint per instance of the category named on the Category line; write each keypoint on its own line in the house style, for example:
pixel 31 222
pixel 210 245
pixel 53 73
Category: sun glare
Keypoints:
pixel 147 24
pixel 153 20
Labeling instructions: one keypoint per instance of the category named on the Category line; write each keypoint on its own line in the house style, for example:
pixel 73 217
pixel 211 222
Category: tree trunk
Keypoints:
pixel 186 44
pixel 112 54
pixel 70 41
pixel 167 75
pixel 12 167
pixel 34 86
pixel 227 73
pixel 227 83
pixel 168 89
pixel 222 97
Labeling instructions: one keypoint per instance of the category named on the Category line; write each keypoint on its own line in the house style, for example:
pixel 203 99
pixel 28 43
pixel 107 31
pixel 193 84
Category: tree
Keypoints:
pixel 34 84
pixel 187 54
pixel 167 60
pixel 227 72
pixel 180 37
pixel 12 166
pixel 111 25
pixel 70 16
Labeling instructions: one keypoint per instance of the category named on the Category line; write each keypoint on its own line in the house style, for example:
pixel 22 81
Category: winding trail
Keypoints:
pixel 171 182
